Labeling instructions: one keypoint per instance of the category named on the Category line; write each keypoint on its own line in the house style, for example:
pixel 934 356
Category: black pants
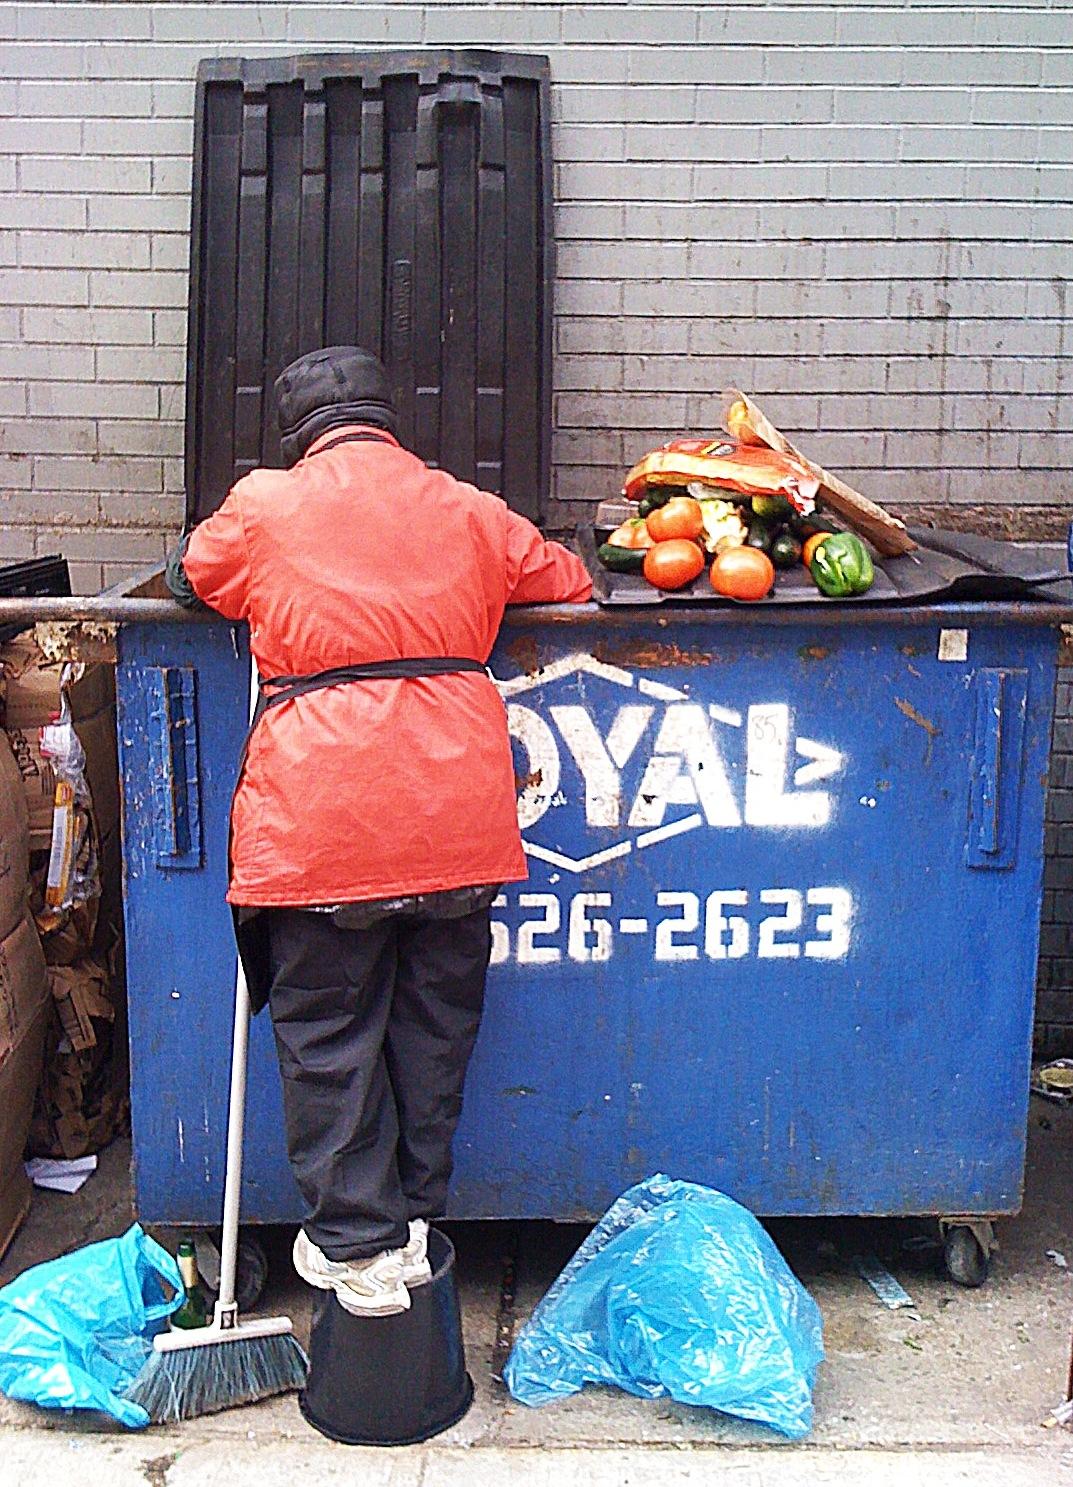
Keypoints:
pixel 374 1029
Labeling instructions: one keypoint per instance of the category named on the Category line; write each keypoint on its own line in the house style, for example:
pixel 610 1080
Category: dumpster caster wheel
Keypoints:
pixel 251 1271
pixel 967 1262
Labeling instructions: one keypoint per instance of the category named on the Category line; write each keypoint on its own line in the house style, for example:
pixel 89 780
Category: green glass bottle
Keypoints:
pixel 194 1311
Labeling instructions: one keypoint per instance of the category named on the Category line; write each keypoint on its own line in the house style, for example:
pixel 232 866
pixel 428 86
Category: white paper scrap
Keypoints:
pixel 58 1175
pixel 882 1282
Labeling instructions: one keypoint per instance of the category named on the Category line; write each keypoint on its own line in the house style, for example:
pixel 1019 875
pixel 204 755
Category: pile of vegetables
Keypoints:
pixel 678 530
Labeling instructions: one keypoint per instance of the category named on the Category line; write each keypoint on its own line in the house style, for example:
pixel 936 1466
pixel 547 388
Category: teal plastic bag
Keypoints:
pixel 677 1291
pixel 75 1332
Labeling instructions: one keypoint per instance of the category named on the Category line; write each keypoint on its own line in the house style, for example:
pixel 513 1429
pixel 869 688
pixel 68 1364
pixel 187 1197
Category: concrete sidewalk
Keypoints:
pixel 953 1391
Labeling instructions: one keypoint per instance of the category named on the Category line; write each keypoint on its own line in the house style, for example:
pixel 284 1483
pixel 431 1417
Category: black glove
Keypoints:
pixel 179 586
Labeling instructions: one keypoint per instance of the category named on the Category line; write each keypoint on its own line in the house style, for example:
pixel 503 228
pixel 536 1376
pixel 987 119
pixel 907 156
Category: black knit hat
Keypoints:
pixel 326 389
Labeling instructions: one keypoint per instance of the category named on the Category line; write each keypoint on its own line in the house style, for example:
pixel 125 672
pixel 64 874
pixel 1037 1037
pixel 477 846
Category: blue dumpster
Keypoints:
pixel 779 934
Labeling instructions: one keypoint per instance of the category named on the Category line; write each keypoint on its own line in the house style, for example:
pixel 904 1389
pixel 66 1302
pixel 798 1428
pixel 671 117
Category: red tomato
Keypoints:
pixel 632 534
pixel 672 564
pixel 743 573
pixel 681 517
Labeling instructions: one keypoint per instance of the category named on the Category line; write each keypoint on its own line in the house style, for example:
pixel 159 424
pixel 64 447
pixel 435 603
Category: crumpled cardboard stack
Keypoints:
pixel 83 1098
pixel 24 999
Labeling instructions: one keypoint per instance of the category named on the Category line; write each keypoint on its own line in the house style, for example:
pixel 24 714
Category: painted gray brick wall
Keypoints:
pixel 861 212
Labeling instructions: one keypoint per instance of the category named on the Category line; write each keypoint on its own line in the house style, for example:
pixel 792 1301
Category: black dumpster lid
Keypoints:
pixel 946 566
pixel 396 200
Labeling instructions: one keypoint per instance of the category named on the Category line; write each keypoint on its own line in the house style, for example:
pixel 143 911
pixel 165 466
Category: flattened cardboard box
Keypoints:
pixel 24 1006
pixel 14 842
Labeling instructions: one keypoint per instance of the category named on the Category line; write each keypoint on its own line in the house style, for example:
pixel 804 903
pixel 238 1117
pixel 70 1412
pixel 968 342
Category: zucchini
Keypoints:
pixel 760 535
pixel 621 559
pixel 785 550
pixel 808 526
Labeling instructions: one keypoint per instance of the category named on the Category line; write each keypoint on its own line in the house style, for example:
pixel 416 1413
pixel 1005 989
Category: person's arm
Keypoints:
pixel 542 572
pixel 211 566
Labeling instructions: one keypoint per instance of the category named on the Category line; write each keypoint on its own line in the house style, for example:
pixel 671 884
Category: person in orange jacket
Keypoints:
pixel 375 815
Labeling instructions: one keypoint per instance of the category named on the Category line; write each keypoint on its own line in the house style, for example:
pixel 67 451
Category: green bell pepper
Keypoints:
pixel 842 566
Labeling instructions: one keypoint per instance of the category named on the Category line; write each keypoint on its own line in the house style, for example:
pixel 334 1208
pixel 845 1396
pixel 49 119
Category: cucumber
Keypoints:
pixel 772 508
pixel 621 559
pixel 807 526
pixel 785 550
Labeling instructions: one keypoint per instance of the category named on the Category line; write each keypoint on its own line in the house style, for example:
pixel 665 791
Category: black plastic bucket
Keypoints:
pixel 390 1381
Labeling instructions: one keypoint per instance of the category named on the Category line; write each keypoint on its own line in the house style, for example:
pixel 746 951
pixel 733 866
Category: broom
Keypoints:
pixel 199 1370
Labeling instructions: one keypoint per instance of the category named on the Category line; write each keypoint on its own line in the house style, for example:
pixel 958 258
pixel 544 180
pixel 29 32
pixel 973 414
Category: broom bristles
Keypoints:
pixel 217 1376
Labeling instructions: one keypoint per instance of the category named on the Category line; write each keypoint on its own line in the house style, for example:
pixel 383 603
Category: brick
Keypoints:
pixel 173 477
pixel 16 471
pixel 159 289
pixel 690 298
pixel 571 142
pixel 588 297
pixel 206 23
pixel 138 136
pixel 169 327
pixel 970 143
pixel 172 100
pixel 768 23
pixel 829 142
pixel 49 363
pixel 1021 27
pixel 589 447
pixel 611 103
pixel 16 543
pixel 100 327
pixel 1007 338
pixel 905 104
pixel 792 220
pixel 1021 106
pixel 9 323
pixel 83 22
pixel 48 436
pixel 631 182
pixel 93 474
pixel 624 260
pixel 860 24
pixel 12 399
pixel 32 286
pixel 772 183
pixel 621 24
pixel 593 65
pixel 859 374
pixel 8 173
pixel 665 64
pixel 120 509
pixel 94 173
pixel 8 256
pixel 844 411
pixel 64 136
pixel 466 24
pixel 698 221
pixel 764 105
pixel 867 182
pixel 172 177
pixel 587 373
pixel 579 220
pixel 367 24
pixel 93 400
pixel 140 213
pixel 103 544
pixel 80 100
pixel 86 578
pixel 171 250
pixel 608 335
pixel 754 338
pixel 153 436
pixel 42 211
pixel 84 249
pixel 854 260
pixel 619 410
pixel 66 509
pixel 841 65
pixel 674 142
pixel 883 337
pixel 854 299
pixel 757 261
pixel 973 66
pixel 138 364
pixel 61 60
pixel 665 373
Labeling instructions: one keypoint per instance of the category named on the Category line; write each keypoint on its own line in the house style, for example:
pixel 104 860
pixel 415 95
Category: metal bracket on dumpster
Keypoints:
pixel 173 753
pixel 995 782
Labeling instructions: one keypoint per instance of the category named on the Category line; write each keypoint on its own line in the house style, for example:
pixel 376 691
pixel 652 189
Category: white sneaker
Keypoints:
pixel 415 1267
pixel 365 1288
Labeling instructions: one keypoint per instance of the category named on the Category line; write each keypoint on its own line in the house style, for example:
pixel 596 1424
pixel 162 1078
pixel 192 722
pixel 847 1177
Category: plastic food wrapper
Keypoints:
pixel 76 1332
pixel 678 1290
pixel 73 876
pixel 725 464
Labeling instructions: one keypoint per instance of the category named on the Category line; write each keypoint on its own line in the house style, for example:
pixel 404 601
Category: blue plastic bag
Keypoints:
pixel 75 1332
pixel 678 1290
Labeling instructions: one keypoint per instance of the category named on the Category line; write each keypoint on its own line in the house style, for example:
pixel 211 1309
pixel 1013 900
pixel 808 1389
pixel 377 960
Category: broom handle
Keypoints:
pixel 226 1309
pixel 236 1120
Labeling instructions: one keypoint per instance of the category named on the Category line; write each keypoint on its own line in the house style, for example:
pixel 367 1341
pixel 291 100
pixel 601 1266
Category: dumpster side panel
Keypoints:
pixel 779 933
pixel 182 702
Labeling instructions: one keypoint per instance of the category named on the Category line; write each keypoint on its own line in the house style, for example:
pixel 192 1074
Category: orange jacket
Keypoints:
pixel 374 788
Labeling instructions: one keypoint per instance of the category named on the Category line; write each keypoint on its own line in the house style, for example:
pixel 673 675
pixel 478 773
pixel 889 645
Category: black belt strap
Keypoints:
pixel 277 689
